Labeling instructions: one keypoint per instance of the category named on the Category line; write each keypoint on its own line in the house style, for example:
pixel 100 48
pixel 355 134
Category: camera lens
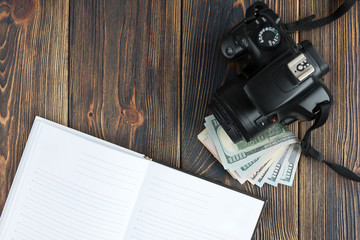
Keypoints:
pixel 235 112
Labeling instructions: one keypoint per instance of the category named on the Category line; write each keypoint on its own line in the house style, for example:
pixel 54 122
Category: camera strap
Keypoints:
pixel 322 113
pixel 309 22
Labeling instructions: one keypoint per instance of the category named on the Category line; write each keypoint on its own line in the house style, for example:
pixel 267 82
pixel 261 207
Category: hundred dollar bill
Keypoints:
pixel 246 170
pixel 288 171
pixel 249 167
pixel 233 156
pixel 206 141
pixel 261 180
pixel 241 180
pixel 273 173
pixel 257 173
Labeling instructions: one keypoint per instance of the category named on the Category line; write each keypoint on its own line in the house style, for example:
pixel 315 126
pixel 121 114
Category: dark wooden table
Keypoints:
pixel 140 73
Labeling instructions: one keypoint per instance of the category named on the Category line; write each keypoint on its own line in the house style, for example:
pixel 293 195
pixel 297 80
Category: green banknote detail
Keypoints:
pixel 274 130
pixel 273 136
pixel 234 156
pixel 248 165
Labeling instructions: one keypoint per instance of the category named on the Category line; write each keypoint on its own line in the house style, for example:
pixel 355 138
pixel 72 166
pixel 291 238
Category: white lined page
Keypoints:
pixel 174 205
pixel 71 187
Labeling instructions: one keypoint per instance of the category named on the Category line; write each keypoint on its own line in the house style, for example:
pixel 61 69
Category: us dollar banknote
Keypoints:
pixel 287 174
pixel 234 156
pixel 256 174
pixel 207 142
pixel 247 170
pixel 273 173
pixel 261 179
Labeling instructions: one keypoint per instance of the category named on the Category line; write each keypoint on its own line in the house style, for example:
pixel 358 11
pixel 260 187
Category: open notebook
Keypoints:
pixel 70 185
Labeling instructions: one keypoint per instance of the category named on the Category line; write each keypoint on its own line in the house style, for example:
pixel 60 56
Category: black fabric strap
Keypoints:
pixel 321 117
pixel 309 22
pixel 250 11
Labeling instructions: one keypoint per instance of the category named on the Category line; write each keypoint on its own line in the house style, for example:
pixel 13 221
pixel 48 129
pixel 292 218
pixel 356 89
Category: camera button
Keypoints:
pixel 237 40
pixel 261 121
pixel 229 51
pixel 245 43
pixel 240 41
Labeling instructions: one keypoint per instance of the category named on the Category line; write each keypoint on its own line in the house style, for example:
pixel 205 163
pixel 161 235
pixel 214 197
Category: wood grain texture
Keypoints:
pixel 124 74
pixel 204 69
pixel 329 203
pixel 141 74
pixel 33 75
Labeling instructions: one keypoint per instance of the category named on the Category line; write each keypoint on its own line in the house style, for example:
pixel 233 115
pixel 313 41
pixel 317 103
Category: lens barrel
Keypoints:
pixel 235 112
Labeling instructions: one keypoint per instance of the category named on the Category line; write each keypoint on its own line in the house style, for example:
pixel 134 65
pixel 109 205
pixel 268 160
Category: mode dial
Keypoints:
pixel 269 38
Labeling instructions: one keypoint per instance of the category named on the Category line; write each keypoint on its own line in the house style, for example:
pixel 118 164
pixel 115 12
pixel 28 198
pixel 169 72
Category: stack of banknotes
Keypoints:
pixel 271 157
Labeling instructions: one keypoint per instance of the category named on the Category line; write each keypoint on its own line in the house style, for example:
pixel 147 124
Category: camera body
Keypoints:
pixel 281 81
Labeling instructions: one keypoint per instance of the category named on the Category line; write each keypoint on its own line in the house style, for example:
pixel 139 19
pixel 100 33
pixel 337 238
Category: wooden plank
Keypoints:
pixel 125 76
pixel 34 75
pixel 329 204
pixel 203 71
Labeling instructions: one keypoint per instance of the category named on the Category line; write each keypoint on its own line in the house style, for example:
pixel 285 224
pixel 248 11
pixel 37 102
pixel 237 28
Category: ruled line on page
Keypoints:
pixel 170 232
pixel 55 222
pixel 34 228
pixel 23 236
pixel 177 195
pixel 73 198
pixel 102 174
pixel 178 192
pixel 112 163
pixel 154 215
pixel 96 196
pixel 173 198
pixel 40 228
pixel 49 222
pixel 117 172
pixel 149 234
pixel 53 201
pixel 54 206
pixel 170 223
pixel 192 191
pixel 87 202
pixel 174 204
pixel 137 238
pixel 75 218
pixel 76 187
pixel 106 174
pixel 79 226
pixel 104 181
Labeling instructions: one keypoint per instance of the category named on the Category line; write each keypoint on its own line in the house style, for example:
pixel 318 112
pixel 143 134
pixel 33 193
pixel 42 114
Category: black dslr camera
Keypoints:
pixel 281 82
